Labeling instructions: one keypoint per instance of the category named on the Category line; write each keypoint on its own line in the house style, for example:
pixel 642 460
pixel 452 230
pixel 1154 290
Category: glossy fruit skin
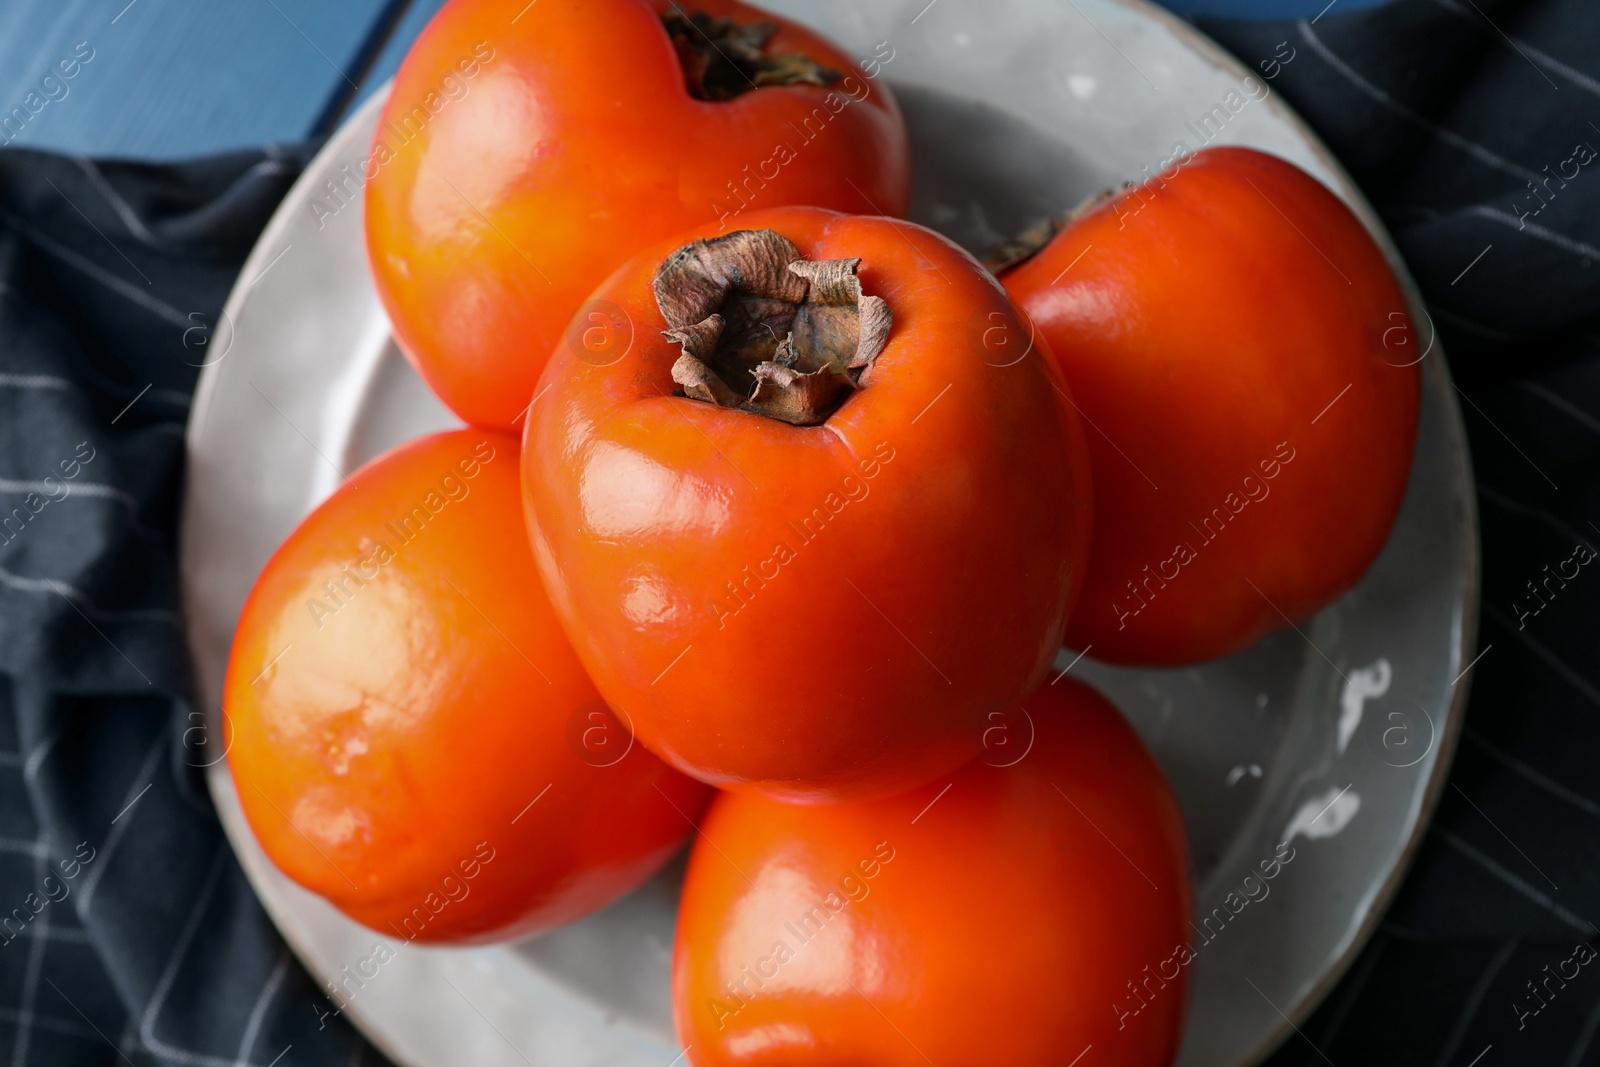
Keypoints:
pixel 932 533
pixel 985 923
pixel 572 146
pixel 388 759
pixel 1210 334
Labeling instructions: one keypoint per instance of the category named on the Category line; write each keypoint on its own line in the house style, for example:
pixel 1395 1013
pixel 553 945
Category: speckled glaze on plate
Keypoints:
pixel 1335 738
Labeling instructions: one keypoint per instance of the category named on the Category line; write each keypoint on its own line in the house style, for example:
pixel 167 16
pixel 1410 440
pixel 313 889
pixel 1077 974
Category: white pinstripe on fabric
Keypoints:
pixel 67 935
pixel 128 1040
pixel 258 1011
pixel 1561 404
pixel 1521 886
pixel 50 1022
pixel 1576 77
pixel 93 270
pixel 37 585
pixel 34 381
pixel 1469 1008
pixel 50 585
pixel 1472 327
pixel 30 766
pixel 120 389
pixel 88 489
pixel 1549 785
pixel 170 396
pixel 1500 500
pixel 169 974
pixel 1553 661
pixel 1585 1038
pixel 108 849
pixel 1455 140
pixel 1533 229
pixel 34 966
pixel 130 218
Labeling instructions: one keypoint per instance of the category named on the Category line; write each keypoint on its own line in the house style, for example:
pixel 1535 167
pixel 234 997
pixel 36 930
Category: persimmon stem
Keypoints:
pixel 766 331
pixel 722 59
pixel 1030 241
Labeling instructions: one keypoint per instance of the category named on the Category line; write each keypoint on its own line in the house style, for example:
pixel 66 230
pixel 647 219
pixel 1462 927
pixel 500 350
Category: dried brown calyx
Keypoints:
pixel 722 59
pixel 1028 243
pixel 766 331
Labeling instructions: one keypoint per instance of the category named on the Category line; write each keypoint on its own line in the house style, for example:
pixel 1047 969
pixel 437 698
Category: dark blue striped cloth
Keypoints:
pixel 128 933
pixel 138 940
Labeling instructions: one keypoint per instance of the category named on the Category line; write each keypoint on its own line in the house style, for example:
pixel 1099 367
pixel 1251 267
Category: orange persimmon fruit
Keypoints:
pixel 1000 915
pixel 526 150
pixel 1245 355
pixel 808 534
pixel 410 734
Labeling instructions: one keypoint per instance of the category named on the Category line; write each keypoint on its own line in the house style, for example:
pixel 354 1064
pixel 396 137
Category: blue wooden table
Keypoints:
pixel 173 78
pixel 164 79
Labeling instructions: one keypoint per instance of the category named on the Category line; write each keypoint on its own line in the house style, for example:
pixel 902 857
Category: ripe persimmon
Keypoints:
pixel 1245 354
pixel 999 915
pixel 807 535
pixel 526 150
pixel 409 732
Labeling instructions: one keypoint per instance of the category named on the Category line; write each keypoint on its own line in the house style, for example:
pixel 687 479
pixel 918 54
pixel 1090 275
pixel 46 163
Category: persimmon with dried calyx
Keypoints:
pixel 1241 345
pixel 519 160
pixel 885 932
pixel 409 732
pixel 805 531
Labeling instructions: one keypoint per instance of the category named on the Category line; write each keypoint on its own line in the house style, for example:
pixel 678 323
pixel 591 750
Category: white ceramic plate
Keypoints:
pixel 1336 738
